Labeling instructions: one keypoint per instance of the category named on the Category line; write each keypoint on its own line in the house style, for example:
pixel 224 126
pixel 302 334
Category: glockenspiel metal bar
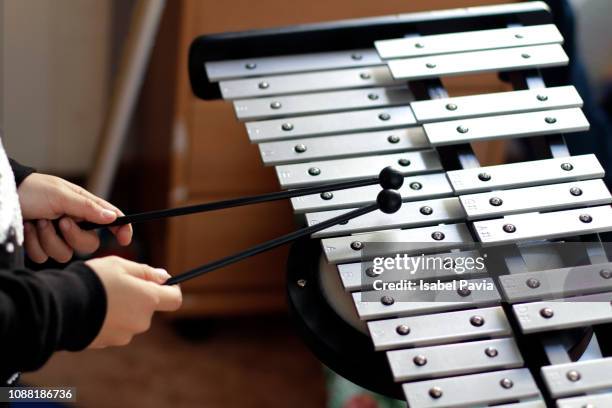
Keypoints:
pixel 520 58
pixel 443 266
pixel 306 174
pixel 587 401
pixel 536 226
pixel 341 146
pixel 527 404
pixel 468 41
pixel 419 187
pixel 450 327
pixel 240 48
pixel 569 313
pixel 473 390
pixel 498 103
pixel 284 64
pixel 556 283
pixel 524 174
pixel 385 243
pixel 322 102
pixel 564 380
pixel 410 215
pixel 330 123
pixel 337 79
pixel 379 304
pixel 540 198
pixel 506 126
pixel 454 359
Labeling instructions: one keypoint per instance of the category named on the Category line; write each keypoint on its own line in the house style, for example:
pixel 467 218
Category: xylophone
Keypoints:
pixel 340 101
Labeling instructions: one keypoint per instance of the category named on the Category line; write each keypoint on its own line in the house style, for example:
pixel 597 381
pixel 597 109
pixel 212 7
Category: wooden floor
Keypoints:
pixel 257 362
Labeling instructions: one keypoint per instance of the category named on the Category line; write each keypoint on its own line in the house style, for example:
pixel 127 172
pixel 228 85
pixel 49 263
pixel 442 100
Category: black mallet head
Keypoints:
pixel 389 178
pixel 389 201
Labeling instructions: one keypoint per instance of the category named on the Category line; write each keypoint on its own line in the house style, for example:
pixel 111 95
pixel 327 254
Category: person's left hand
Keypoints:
pixel 44 198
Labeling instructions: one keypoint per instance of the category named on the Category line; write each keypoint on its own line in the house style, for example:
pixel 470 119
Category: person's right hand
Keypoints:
pixel 134 292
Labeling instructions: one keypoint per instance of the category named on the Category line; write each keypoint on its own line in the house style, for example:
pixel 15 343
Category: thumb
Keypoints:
pixel 79 206
pixel 146 272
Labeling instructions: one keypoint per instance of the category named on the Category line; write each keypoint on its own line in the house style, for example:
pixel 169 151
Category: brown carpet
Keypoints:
pixel 256 362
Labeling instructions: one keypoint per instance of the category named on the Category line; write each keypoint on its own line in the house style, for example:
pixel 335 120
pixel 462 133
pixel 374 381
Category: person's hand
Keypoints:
pixel 134 292
pixel 43 198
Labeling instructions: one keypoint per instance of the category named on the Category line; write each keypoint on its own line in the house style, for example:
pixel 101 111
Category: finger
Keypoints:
pixel 79 240
pixel 80 190
pixel 122 233
pixel 121 340
pixel 51 243
pixel 170 298
pixel 101 202
pixel 146 272
pixel 80 206
pixel 32 245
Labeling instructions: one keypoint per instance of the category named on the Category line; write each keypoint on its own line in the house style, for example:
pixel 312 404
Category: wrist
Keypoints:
pixel 89 312
pixel 20 171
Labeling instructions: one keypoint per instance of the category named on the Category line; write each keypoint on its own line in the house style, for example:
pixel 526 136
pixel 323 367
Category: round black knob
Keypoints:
pixel 389 201
pixel 390 178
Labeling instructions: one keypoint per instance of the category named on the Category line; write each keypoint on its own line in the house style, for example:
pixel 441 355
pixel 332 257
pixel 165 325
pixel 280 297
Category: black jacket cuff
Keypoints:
pixel 20 171
pixel 46 311
pixel 82 297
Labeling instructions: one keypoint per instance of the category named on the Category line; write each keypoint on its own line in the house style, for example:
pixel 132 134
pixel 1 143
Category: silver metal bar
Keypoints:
pixel 415 188
pixel 284 64
pixel 527 404
pixel 341 146
pixel 587 401
pixel 568 313
pixel 556 351
pixel 410 215
pixel 477 11
pixel 322 102
pixel 535 81
pixel 536 226
pixel 445 266
pixel 330 123
pixel 304 174
pixel 564 380
pixel 506 126
pixel 540 198
pixel 469 41
pixel 531 173
pixel 539 56
pixel 441 328
pixel 419 299
pixel 556 283
pixel 308 82
pixel 391 242
pixel 230 87
pixel 474 390
pixel 454 359
pixel 498 103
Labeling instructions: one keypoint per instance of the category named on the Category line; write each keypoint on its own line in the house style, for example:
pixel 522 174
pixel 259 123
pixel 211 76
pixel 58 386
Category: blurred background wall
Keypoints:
pixel 593 19
pixel 58 64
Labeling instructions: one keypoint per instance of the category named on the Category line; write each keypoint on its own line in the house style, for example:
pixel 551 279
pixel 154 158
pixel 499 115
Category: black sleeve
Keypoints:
pixel 20 171
pixel 46 311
